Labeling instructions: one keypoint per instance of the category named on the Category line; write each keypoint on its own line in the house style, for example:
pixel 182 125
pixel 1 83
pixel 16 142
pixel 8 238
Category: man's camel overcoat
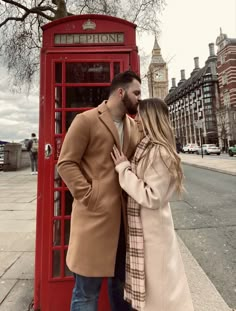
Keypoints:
pixel 86 166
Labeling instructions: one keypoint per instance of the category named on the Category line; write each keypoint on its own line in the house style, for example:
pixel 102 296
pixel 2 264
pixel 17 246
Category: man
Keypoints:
pixel 98 219
pixel 33 151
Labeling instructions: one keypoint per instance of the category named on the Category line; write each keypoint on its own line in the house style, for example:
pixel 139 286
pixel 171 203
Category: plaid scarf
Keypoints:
pixel 135 276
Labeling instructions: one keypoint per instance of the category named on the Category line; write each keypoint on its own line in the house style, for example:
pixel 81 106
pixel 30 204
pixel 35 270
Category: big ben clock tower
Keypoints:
pixel 157 74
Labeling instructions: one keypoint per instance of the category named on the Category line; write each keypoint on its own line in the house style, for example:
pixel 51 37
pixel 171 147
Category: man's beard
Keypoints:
pixel 129 106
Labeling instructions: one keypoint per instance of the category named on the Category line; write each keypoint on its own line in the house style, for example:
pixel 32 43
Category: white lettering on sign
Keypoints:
pixel 92 38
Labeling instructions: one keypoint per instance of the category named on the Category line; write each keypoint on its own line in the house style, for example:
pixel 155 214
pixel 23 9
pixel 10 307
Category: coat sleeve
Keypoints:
pixel 72 151
pixel 151 191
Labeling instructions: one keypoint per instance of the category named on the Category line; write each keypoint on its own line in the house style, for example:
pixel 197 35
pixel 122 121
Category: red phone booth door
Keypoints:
pixel 74 83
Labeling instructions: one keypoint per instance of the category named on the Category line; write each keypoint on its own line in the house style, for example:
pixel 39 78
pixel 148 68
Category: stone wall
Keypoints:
pixel 25 159
pixel 15 158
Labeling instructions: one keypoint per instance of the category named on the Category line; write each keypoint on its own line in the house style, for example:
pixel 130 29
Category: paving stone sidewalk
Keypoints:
pixel 211 162
pixel 17 239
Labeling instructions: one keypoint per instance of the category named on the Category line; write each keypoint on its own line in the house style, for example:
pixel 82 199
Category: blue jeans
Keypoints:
pixel 86 293
pixel 86 290
pixel 34 161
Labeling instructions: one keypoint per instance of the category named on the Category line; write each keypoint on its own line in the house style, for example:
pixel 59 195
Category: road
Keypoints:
pixel 205 219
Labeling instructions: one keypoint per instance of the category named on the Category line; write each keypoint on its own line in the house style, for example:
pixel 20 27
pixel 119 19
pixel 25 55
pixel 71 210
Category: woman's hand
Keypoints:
pixel 117 156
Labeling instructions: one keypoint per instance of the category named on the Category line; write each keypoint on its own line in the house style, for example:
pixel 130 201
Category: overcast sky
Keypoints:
pixel 18 112
pixel 187 27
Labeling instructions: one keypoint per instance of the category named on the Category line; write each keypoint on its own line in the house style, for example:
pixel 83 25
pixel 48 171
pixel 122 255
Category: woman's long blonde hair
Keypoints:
pixel 154 115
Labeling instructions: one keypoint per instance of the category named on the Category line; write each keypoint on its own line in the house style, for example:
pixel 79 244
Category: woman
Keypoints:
pixel 155 276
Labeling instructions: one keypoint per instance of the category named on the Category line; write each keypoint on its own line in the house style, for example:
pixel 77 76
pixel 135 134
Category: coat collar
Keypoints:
pixel 106 118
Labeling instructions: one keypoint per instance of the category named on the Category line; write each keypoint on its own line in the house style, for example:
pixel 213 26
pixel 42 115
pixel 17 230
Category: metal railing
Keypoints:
pixel 4 157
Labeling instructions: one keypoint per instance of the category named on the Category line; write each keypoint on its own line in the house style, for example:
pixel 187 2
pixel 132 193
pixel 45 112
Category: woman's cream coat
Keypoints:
pixel 166 284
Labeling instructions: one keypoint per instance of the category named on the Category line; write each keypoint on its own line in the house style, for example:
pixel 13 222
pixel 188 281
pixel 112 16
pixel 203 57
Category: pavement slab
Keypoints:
pixel 12 193
pixel 20 297
pixel 7 259
pixel 207 240
pixel 24 199
pixel 20 242
pixel 17 215
pixel 227 166
pixel 5 288
pixel 22 269
pixel 8 200
pixel 204 294
pixel 17 226
pixel 7 206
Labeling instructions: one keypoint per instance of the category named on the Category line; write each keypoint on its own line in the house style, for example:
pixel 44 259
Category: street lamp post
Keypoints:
pixel 199 125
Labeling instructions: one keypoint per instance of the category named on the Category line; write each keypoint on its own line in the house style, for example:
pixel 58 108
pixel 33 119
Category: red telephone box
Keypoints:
pixel 79 58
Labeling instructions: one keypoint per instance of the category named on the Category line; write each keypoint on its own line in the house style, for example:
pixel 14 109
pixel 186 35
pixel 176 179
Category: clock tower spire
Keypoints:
pixel 157 74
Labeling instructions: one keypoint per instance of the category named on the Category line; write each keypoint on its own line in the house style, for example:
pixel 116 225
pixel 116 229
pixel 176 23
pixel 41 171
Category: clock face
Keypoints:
pixel 160 76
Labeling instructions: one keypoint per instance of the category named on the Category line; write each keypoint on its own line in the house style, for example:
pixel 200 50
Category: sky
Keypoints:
pixel 18 112
pixel 186 29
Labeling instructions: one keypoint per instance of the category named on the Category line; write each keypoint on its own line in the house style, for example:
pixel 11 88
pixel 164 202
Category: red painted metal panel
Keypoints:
pixel 59 93
pixel 74 24
pixel 60 297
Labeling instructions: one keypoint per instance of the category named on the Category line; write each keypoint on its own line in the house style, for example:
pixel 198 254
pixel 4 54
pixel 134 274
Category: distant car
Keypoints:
pixel 190 148
pixel 209 149
pixel 232 150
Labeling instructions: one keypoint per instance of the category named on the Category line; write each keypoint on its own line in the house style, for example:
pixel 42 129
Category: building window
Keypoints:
pixel 208 110
pixel 193 95
pixel 199 92
pixel 207 100
pixel 222 59
pixel 224 79
pixel 207 77
pixel 209 118
pixel 206 89
pixel 226 99
pixel 209 125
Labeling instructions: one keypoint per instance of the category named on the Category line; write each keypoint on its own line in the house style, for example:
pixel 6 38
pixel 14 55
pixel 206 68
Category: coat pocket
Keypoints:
pixel 94 195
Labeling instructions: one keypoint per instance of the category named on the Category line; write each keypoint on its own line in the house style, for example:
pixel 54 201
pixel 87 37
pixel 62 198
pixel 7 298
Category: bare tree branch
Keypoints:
pixel 23 17
pixel 39 10
pixel 21 22
pixel 40 2
pixel 140 9
pixel 19 5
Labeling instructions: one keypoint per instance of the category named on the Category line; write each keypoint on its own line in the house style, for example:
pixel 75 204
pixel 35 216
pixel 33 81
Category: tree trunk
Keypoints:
pixel 61 9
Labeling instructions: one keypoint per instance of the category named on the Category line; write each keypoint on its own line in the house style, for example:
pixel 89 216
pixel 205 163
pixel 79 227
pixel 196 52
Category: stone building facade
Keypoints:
pixel 226 111
pixel 192 103
pixel 157 74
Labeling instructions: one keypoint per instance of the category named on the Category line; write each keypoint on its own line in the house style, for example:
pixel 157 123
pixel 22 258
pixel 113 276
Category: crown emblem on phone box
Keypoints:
pixel 89 25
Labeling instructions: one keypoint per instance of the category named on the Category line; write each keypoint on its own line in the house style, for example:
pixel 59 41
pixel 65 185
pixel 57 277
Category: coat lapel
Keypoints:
pixel 127 133
pixel 105 117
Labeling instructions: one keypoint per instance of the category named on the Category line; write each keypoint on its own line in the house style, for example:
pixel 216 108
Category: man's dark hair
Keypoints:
pixel 33 135
pixel 122 79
